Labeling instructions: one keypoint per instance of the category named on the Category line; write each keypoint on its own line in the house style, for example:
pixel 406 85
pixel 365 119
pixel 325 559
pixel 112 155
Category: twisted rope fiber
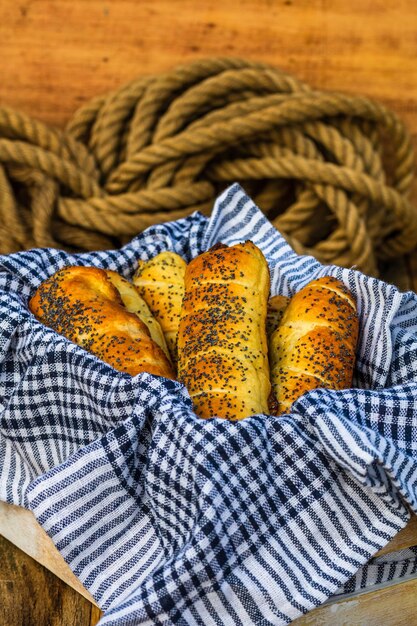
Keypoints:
pixel 331 171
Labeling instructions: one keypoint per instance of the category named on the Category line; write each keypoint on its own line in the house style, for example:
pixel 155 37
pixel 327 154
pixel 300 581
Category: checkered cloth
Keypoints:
pixel 169 519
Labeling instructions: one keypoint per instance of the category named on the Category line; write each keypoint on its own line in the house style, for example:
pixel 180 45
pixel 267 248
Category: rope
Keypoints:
pixel 331 171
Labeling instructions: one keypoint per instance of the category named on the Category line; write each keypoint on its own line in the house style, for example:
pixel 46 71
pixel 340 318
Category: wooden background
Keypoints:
pixel 56 54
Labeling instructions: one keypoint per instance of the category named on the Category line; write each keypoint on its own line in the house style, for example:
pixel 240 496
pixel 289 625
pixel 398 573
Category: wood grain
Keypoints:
pixel 30 595
pixel 56 54
pixel 392 605
pixel 95 616
pixel 20 527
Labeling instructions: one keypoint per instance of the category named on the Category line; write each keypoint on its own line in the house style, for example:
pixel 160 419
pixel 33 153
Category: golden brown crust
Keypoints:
pixel 275 311
pixel 222 348
pixel 315 343
pixel 160 282
pixel 83 305
pixel 134 303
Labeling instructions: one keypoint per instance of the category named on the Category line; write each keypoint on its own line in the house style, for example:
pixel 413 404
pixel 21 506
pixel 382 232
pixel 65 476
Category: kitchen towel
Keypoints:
pixel 170 519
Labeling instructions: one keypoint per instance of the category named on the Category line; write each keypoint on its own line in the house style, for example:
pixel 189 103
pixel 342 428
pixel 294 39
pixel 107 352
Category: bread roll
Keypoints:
pixel 82 304
pixel 134 303
pixel 315 343
pixel 222 347
pixel 275 311
pixel 160 282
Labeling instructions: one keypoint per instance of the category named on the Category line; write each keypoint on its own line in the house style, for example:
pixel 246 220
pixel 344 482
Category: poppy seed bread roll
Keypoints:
pixel 315 343
pixel 275 311
pixel 160 282
pixel 134 303
pixel 222 347
pixel 82 304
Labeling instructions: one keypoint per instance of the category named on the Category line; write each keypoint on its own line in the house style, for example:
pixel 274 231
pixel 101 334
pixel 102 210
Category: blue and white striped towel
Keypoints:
pixel 169 519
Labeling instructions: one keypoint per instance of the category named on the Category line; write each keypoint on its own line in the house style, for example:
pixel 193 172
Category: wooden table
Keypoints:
pixel 57 54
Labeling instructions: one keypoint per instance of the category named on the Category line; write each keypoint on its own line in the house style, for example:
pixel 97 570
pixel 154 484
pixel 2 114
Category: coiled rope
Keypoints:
pixel 331 171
